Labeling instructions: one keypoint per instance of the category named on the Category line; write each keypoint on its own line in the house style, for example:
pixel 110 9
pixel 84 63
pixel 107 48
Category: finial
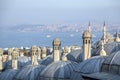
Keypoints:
pixel 104 23
pixel 102 44
pixel 89 24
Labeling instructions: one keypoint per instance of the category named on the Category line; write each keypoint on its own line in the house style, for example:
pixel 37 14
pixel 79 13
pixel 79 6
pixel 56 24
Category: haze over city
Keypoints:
pixel 17 12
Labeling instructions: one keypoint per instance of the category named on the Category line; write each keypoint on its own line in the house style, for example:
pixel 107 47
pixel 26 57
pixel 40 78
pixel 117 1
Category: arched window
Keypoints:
pixel 86 42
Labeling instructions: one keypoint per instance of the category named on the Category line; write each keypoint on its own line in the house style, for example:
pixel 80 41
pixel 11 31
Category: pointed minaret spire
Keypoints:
pixel 89 29
pixel 104 32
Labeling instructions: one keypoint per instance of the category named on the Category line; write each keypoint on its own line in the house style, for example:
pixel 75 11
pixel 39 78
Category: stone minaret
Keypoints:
pixel 10 53
pixel 117 39
pixel 65 52
pixel 39 53
pixel 102 51
pixel 14 60
pixel 56 49
pixel 1 55
pixel 34 49
pixel 44 52
pixel 104 33
pixel 86 44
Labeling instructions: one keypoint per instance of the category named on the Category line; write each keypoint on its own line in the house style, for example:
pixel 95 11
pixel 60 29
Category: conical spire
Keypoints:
pixel 89 29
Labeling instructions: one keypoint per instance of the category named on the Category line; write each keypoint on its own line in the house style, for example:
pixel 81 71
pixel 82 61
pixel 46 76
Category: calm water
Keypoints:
pixel 27 39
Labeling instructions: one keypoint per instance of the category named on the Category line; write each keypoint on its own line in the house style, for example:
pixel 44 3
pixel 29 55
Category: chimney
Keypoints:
pixel 44 52
pixel 56 49
pixel 1 55
pixel 10 53
pixel 14 60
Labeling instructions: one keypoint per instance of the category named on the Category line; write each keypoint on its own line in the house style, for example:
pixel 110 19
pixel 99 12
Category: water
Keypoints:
pixel 27 39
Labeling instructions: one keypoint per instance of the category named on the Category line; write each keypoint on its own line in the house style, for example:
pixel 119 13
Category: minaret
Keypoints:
pixel 10 53
pixel 102 51
pixel 14 60
pixel 34 49
pixel 104 33
pixel 56 49
pixel 1 55
pixel 65 52
pixel 39 53
pixel 44 52
pixel 86 44
pixel 117 39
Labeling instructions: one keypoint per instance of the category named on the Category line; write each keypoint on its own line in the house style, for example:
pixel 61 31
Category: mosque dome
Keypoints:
pixel 59 70
pixel 75 55
pixel 8 74
pixel 29 72
pixel 22 61
pixel 91 65
pixel 47 60
pixel 108 47
pixel 112 63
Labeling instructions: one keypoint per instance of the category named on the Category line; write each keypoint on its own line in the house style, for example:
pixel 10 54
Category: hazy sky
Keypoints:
pixel 58 11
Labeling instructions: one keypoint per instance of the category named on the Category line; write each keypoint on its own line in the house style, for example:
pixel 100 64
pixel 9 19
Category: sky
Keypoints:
pixel 16 12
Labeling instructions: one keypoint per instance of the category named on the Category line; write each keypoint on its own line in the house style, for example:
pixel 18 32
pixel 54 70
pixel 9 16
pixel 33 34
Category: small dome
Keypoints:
pixel 58 71
pixel 47 60
pixel 109 48
pixel 87 34
pixel 8 74
pixel 22 61
pixel 76 76
pixel 112 63
pixel 29 72
pixel 91 65
pixel 75 55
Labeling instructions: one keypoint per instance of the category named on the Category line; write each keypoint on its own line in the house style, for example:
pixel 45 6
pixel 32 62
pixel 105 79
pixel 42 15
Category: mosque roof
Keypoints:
pixel 61 70
pixel 29 72
pixel 8 74
pixel 75 55
pixel 47 60
pixel 91 65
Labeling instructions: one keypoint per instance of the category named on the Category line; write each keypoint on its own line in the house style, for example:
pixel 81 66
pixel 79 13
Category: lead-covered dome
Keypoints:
pixel 47 60
pixel 8 74
pixel 112 63
pixel 108 47
pixel 75 55
pixel 60 70
pixel 22 61
pixel 29 72
pixel 91 65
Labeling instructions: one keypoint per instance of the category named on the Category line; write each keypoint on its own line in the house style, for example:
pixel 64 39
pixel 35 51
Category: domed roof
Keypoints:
pixel 29 72
pixel 22 61
pixel 58 70
pixel 47 60
pixel 113 59
pixel 91 65
pixel 76 76
pixel 75 55
pixel 109 48
pixel 8 74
